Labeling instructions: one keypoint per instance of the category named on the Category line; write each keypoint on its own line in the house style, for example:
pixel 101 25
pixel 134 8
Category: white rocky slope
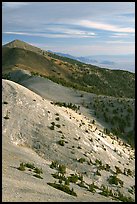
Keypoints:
pixel 27 137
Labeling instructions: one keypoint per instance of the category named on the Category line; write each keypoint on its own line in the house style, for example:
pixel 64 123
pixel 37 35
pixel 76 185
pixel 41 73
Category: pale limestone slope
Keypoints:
pixel 27 132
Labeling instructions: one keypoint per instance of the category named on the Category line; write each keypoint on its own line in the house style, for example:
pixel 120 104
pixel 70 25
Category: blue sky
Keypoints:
pixel 76 28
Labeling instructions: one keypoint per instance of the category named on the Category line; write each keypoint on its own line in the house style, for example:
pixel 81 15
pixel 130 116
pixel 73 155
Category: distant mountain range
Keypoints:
pixel 87 59
pixel 123 62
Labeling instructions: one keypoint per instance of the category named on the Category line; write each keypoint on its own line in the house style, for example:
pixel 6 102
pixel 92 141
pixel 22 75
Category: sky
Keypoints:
pixel 76 28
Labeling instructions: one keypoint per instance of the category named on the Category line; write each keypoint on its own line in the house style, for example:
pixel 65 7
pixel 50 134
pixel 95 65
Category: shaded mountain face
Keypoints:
pixel 68 72
pixel 32 124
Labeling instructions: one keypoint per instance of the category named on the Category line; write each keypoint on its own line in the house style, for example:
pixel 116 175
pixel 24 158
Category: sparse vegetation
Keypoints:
pixel 64 188
pixel 69 105
pixel 106 191
pixel 123 198
pixel 31 167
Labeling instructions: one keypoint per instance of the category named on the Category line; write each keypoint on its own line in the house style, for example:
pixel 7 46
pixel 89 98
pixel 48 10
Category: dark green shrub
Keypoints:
pixel 58 126
pixel 53 123
pixel 67 181
pixel 62 137
pixel 92 188
pixel 105 191
pixel 131 190
pixel 54 164
pixel 98 162
pixel 60 180
pixel 57 118
pixel 80 177
pixel 69 105
pixel 81 184
pixel 93 121
pixel 73 178
pixel 81 160
pixel 37 176
pixel 106 131
pixel 129 172
pixel 51 127
pixel 118 170
pixel 91 140
pixel 60 132
pixel 5 102
pixel 115 150
pixel 98 173
pixel 115 180
pixel 38 171
pixel 61 142
pixel 29 165
pixel 107 167
pixel 62 169
pixel 64 188
pixel 58 176
pixel 21 167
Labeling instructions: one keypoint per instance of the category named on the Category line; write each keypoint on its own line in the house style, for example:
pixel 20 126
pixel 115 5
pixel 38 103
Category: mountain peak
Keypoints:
pixel 23 45
pixel 15 43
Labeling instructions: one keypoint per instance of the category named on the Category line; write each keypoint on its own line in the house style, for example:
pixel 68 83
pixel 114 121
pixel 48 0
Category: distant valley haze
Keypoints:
pixel 120 62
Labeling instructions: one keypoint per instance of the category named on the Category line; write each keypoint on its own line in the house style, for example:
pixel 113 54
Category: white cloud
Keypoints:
pixel 104 26
pixel 70 31
pixel 54 35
